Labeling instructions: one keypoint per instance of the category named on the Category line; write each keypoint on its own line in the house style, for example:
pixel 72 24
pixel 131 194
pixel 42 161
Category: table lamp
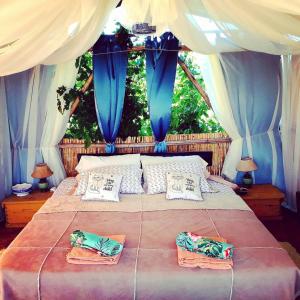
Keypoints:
pixel 42 171
pixel 247 165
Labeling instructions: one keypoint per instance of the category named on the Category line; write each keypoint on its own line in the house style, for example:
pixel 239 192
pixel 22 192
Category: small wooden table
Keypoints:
pixel 265 200
pixel 19 210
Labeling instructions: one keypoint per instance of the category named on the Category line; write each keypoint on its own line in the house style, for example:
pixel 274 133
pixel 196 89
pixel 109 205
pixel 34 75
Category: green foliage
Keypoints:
pixel 83 123
pixel 135 110
pixel 190 113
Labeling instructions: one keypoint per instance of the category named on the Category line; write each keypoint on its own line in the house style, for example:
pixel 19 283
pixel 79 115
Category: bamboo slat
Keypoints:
pixel 218 143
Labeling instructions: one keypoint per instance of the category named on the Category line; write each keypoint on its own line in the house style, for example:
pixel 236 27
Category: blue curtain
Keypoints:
pixel 17 89
pixel 25 93
pixel 109 84
pixel 5 149
pixel 22 104
pixel 253 82
pixel 160 75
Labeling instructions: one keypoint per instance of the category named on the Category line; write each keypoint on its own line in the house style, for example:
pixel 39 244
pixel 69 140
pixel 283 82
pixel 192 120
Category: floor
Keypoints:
pixel 7 235
pixel 285 230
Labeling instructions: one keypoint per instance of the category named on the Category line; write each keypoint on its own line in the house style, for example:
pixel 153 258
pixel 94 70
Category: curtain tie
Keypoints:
pixel 160 147
pixel 110 148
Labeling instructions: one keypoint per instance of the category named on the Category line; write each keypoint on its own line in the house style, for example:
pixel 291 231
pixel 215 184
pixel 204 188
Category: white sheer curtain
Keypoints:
pixel 50 32
pixel 290 127
pixel 36 32
pixel 208 26
pixel 212 73
pixel 55 123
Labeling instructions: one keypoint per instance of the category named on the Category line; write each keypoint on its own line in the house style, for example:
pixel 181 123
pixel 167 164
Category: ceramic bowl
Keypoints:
pixel 21 188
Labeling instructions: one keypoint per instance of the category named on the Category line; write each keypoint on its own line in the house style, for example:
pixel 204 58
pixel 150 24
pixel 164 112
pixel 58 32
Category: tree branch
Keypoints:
pixel 83 90
pixel 194 81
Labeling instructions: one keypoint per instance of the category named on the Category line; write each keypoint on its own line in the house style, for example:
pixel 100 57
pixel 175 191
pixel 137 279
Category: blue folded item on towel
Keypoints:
pixel 204 245
pixel 102 245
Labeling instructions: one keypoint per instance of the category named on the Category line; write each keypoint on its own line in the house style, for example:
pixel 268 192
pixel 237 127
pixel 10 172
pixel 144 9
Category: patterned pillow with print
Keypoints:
pixel 103 187
pixel 155 175
pixel 183 186
pixel 131 178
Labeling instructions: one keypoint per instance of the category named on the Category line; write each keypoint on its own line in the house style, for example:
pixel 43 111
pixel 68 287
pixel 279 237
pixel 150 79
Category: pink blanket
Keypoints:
pixel 35 267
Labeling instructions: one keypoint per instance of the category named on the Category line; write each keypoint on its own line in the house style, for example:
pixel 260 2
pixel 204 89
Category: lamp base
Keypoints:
pixel 43 185
pixel 247 180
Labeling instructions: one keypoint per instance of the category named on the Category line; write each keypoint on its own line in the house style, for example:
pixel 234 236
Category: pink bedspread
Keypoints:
pixel 35 267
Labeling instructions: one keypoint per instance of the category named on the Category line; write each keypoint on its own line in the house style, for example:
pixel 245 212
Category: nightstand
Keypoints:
pixel 265 200
pixel 19 210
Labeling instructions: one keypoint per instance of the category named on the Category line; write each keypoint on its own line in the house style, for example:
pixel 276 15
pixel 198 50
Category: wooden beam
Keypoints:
pixel 194 81
pixel 83 90
pixel 142 48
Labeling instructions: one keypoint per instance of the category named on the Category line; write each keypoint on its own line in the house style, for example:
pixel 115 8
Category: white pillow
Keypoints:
pixel 131 179
pixel 104 187
pixel 155 175
pixel 87 163
pixel 150 160
pixel 183 186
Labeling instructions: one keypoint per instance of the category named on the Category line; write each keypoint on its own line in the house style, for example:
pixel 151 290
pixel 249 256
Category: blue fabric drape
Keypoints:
pixel 5 149
pixel 17 89
pixel 253 83
pixel 109 84
pixel 25 93
pixel 160 75
pixel 22 115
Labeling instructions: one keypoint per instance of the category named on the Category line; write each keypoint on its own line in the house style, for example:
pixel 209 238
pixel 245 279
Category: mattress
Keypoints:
pixel 34 266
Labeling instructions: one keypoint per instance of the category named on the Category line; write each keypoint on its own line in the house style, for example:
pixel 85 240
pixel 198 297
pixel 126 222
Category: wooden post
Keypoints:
pixel 83 90
pixel 194 81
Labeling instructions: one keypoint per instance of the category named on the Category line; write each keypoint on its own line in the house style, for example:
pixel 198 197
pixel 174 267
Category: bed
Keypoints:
pixel 34 265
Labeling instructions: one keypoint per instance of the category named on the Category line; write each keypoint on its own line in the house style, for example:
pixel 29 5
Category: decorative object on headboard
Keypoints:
pixel 247 165
pixel 206 155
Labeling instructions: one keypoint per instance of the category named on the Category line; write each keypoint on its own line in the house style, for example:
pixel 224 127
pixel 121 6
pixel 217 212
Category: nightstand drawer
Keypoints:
pixel 266 210
pixel 21 217
pixel 20 210
pixel 265 200
pixel 21 214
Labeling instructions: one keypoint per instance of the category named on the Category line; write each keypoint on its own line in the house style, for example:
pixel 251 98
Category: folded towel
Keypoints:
pixel 191 259
pixel 81 256
pixel 103 245
pixel 204 245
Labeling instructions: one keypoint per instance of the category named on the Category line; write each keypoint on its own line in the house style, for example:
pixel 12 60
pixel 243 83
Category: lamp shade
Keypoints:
pixel 41 171
pixel 246 164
